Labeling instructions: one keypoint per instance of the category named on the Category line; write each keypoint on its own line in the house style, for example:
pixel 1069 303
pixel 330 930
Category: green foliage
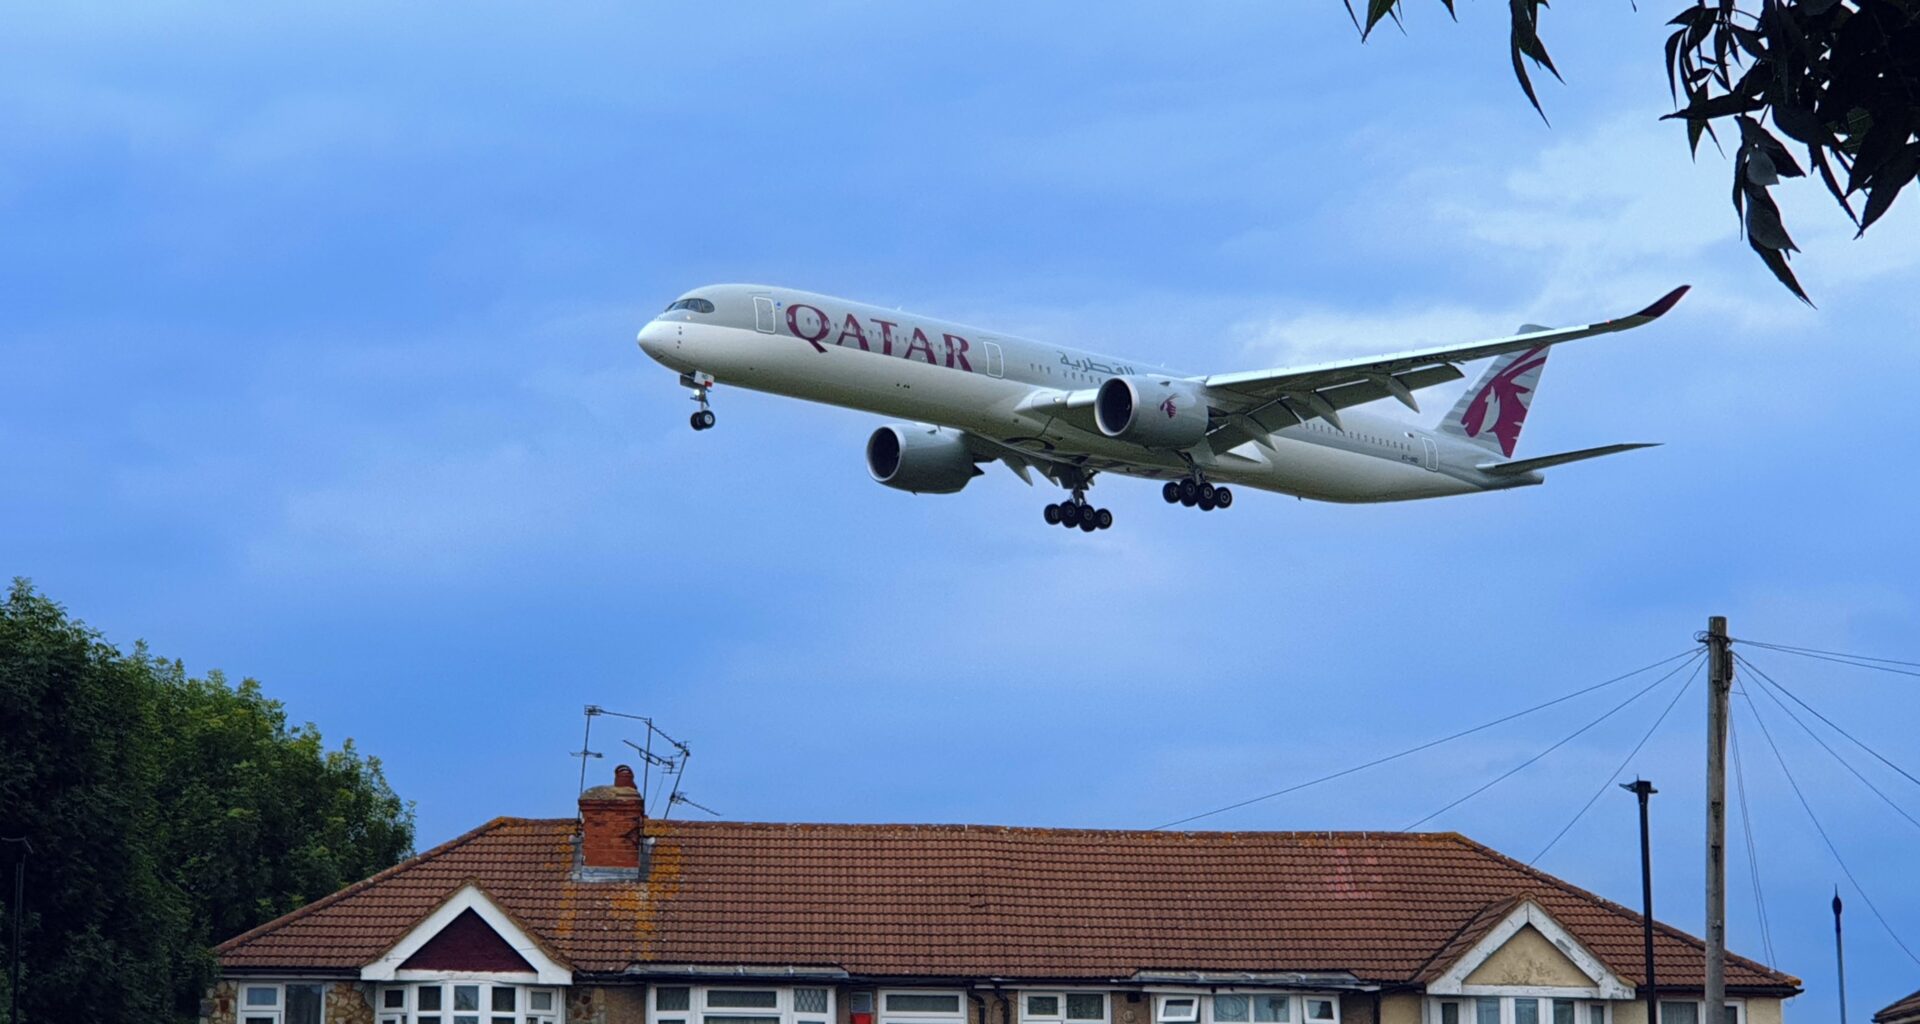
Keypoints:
pixel 1839 77
pixel 166 814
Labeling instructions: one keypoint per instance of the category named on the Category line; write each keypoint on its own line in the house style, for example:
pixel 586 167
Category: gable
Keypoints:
pixel 467 943
pixel 1529 958
pixel 466 932
pixel 1527 951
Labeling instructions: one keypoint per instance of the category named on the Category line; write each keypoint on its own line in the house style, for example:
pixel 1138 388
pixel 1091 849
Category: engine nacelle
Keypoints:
pixel 1157 412
pixel 921 459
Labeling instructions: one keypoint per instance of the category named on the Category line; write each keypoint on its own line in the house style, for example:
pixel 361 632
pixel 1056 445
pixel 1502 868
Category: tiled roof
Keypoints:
pixel 1905 1009
pixel 973 901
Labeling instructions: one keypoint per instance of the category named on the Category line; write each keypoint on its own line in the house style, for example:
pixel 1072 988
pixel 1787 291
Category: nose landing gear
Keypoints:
pixel 701 384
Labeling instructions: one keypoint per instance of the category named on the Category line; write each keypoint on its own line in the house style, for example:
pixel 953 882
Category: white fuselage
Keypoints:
pixel 916 368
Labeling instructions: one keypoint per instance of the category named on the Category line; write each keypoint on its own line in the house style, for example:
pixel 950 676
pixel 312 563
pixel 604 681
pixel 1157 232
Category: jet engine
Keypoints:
pixel 920 459
pixel 1157 412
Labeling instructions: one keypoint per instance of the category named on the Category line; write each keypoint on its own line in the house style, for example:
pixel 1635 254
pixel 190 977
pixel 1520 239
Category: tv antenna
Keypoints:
pixel 670 759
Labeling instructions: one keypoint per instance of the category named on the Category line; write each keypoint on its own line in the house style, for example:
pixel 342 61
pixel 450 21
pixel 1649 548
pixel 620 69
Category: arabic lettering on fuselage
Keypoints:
pixel 1086 364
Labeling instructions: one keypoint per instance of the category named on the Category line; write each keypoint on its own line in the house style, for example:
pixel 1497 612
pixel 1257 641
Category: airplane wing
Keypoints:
pixel 1258 402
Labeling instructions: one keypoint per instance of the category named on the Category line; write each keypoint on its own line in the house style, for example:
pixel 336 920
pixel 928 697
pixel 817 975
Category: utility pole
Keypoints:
pixel 1719 685
pixel 1643 789
pixel 1840 954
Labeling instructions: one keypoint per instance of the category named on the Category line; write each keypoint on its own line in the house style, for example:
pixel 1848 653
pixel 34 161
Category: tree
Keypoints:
pixel 1841 78
pixel 166 813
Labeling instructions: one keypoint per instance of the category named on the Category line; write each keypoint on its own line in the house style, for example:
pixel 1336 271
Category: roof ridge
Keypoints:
pixel 379 876
pixel 926 826
pixel 1569 888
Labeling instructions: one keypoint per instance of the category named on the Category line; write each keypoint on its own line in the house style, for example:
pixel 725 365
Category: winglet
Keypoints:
pixel 1666 302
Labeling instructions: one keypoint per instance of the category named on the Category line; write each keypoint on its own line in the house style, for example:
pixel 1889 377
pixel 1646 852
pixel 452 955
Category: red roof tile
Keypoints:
pixel 1904 1009
pixel 973 901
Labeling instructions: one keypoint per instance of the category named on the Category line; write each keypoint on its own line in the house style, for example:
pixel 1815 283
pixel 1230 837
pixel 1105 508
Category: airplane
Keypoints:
pixel 974 396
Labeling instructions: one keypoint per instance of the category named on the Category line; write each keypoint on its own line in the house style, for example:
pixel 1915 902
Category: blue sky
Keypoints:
pixel 318 367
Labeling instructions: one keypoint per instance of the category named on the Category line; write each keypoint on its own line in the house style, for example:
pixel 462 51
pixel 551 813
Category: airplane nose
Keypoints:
pixel 652 340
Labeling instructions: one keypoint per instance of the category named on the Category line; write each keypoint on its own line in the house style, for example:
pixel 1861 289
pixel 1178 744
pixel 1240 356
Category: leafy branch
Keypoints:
pixel 1841 78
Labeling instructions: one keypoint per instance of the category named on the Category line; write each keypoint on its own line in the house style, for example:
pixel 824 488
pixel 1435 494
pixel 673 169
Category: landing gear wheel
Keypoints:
pixel 1206 493
pixel 1189 502
pixel 1070 515
pixel 1189 492
pixel 1208 504
pixel 1222 497
pixel 1053 515
pixel 704 418
pixel 1103 518
pixel 1089 522
pixel 1171 491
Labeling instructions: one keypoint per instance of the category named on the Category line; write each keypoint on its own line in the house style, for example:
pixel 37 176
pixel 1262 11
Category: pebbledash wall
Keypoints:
pixel 459 953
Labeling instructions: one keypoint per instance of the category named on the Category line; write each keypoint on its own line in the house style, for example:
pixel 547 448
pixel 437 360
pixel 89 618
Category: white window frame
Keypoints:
pixel 1162 1016
pixel 1469 1010
pixel 523 1013
pixel 1296 1004
pixel 277 1013
pixel 781 1012
pixel 884 1015
pixel 1106 1006
pixel 1739 1007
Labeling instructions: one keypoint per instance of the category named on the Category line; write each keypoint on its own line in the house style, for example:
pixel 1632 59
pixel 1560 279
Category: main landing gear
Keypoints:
pixel 700 383
pixel 1195 490
pixel 1077 512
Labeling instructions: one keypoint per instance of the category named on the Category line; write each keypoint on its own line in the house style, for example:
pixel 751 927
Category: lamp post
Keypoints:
pixel 1643 789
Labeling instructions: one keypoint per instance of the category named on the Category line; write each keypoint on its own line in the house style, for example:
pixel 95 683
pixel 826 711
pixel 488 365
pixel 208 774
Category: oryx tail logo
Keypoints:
pixel 1168 407
pixel 1501 405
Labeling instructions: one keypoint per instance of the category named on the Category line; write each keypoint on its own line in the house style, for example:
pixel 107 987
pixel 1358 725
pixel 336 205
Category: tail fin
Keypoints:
pixel 1491 412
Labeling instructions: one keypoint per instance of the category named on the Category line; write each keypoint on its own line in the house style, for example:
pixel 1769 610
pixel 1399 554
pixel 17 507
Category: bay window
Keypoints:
pixel 690 1004
pixel 1247 1008
pixel 462 1001
pixel 1516 1010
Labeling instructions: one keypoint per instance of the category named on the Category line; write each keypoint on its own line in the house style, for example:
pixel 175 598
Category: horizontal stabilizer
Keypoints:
pixel 1519 466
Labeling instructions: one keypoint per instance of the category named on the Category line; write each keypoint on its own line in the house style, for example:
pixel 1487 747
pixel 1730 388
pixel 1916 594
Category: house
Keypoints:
pixel 617 918
pixel 1904 1011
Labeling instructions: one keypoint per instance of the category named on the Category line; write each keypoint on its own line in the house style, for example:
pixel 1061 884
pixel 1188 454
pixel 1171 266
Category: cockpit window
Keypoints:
pixel 692 305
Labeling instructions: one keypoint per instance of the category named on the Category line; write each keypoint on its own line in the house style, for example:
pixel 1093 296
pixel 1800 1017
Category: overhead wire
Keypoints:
pixel 1835 726
pixel 1631 754
pixel 1801 795
pixel 1753 851
pixel 1563 741
pixel 1856 660
pixel 1844 763
pixel 1428 745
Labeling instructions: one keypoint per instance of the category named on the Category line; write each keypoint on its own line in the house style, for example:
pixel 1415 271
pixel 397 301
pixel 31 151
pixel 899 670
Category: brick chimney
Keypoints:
pixel 610 822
